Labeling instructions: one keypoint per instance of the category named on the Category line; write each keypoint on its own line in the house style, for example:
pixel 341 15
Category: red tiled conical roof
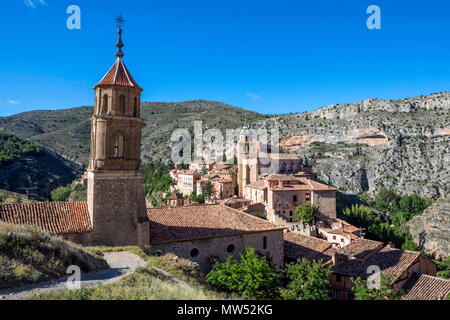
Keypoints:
pixel 118 75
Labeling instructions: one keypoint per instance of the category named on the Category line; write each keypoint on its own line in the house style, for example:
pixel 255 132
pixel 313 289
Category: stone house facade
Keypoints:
pixel 283 193
pixel 206 233
pixel 187 181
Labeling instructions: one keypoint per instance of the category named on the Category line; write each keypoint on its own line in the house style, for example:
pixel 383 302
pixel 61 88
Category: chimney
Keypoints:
pixel 390 245
pixel 338 257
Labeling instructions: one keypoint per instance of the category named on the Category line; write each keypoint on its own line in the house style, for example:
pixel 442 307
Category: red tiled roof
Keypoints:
pixel 188 172
pixel 199 222
pixel 392 262
pixel 361 248
pixel 425 287
pixel 299 246
pixel 52 217
pixel 118 75
pixel 258 184
pixel 318 186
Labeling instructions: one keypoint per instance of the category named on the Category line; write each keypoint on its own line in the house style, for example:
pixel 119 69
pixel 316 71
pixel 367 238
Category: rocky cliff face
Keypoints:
pixel 400 144
pixel 431 229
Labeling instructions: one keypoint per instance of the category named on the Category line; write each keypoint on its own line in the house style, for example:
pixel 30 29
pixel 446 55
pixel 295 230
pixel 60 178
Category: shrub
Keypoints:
pixel 385 291
pixel 309 281
pixel 306 212
pixel 253 276
pixel 61 194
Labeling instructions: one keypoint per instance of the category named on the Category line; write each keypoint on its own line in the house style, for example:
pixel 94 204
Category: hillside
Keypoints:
pixel 30 170
pixel 400 144
pixel 28 255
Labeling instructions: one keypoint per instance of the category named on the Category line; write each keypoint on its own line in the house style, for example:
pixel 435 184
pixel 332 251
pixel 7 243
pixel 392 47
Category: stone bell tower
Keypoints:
pixel 116 199
pixel 244 158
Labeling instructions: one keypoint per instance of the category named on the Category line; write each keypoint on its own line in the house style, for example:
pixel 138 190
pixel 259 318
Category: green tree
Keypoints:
pixel 306 212
pixel 207 189
pixel 361 216
pixel 61 194
pixel 386 200
pixel 12 148
pixel 157 181
pixel 386 290
pixel 253 276
pixel 308 281
pixel 443 268
pixel 197 198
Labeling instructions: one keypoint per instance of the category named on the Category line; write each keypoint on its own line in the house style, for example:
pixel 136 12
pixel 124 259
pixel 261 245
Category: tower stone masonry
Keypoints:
pixel 116 198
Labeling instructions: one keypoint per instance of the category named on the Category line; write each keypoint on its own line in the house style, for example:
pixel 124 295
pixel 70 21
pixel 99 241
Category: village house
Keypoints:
pixel 338 232
pixel 356 260
pixel 200 166
pixel 175 199
pixel 220 175
pixel 222 187
pixel 206 233
pixel 283 193
pixel 187 181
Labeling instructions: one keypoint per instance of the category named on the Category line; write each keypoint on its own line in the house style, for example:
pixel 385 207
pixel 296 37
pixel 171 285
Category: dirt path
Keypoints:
pixel 120 264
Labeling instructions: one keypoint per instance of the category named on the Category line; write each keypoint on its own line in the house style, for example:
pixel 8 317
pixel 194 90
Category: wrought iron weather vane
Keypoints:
pixel 120 22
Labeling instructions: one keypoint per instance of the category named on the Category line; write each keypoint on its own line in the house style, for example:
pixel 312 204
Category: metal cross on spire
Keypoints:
pixel 120 21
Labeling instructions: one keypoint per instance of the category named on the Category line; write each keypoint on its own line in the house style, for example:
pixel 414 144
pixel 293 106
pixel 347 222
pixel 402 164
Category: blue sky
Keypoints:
pixel 268 56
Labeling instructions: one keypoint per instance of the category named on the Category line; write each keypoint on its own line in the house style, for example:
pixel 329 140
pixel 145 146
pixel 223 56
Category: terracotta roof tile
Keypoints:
pixel 52 217
pixel 361 248
pixel 258 184
pixel 299 246
pixel 118 75
pixel 425 287
pixel 392 262
pixel 203 221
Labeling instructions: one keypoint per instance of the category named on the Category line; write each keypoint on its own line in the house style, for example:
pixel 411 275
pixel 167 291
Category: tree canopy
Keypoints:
pixel 306 212
pixel 253 276
pixel 385 291
pixel 309 281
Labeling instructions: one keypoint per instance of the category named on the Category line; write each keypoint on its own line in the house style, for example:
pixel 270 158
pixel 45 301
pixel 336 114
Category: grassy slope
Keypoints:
pixel 28 255
pixel 145 283
pixel 12 197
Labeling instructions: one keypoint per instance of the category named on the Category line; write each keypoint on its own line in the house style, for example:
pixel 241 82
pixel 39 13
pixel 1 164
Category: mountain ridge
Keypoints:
pixel 361 147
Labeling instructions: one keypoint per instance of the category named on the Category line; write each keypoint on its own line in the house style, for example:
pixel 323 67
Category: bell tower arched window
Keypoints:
pixel 118 147
pixel 104 104
pixel 122 105
pixel 136 114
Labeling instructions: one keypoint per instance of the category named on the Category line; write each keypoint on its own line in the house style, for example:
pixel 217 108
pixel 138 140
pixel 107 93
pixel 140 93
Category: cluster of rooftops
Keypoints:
pixel 175 224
